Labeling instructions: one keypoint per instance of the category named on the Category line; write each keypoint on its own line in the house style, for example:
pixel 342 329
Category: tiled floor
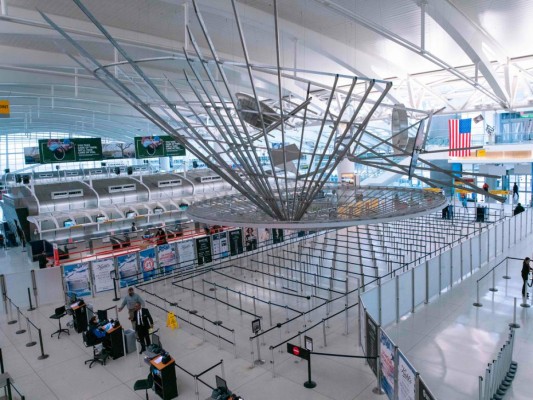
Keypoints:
pixel 449 341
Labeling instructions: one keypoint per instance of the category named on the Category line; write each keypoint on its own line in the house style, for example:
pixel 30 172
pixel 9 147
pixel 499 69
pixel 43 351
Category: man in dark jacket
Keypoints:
pixel 143 324
pixel 518 209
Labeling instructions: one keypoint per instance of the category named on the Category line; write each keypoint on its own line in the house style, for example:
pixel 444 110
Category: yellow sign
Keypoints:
pixel 172 321
pixel 481 153
pixel 4 108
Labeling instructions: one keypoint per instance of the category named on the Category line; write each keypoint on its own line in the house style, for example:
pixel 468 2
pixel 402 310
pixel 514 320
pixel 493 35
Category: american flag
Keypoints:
pixel 460 133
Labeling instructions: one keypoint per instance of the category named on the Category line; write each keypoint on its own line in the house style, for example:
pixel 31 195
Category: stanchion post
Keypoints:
pixel 4 290
pixel 477 303
pixel 11 320
pixel 493 288
pixel 31 342
pixel 29 298
pixel 42 356
pixel 34 285
pixel 272 355
pixel 240 302
pixel 324 331
pixel 514 324
pixel 115 291
pixel 20 331
pixel 506 276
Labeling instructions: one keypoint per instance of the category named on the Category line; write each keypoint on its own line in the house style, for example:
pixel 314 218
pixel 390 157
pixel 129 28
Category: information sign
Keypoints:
pixel 70 150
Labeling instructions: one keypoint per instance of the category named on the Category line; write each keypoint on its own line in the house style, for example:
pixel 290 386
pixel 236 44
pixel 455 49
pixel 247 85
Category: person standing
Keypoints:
pixel 515 191
pixel 526 268
pixel 144 322
pixel 486 187
pixel 518 209
pixel 130 300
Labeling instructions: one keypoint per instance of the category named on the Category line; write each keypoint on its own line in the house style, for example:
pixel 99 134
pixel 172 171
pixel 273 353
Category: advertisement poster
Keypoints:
pixel 186 254
pixel 31 155
pixel 371 343
pixel 265 236
pixel 235 242
pixel 118 151
pixel 70 150
pixel 406 379
pixel 157 146
pixel 77 279
pixel 127 269
pixel 386 355
pixel 277 235
pixel 102 270
pixel 167 257
pixel 250 239
pixel 220 245
pixel 147 262
pixel 203 250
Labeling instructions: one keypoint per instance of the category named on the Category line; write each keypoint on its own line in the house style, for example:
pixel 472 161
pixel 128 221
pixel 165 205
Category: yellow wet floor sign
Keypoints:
pixel 172 321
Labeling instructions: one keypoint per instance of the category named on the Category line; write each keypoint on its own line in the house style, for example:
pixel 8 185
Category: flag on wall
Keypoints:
pixel 460 134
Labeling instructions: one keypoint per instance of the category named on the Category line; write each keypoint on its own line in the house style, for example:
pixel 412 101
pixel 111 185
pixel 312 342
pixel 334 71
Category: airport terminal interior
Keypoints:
pixel 248 200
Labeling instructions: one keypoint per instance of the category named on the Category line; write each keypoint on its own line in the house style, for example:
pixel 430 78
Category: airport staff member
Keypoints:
pixel 144 322
pixel 130 300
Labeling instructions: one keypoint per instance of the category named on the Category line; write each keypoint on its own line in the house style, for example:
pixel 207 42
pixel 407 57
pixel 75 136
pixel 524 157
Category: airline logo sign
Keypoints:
pixel 4 108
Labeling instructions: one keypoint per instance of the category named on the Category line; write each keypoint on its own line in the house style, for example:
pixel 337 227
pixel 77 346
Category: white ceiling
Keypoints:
pixel 468 54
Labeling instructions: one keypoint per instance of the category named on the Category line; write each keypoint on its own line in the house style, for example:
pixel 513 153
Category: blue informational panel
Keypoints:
pixel 76 278
pixel 167 257
pixel 147 262
pixel 127 269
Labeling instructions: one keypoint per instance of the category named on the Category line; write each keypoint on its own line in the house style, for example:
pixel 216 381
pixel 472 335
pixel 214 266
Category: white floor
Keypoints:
pixel 449 341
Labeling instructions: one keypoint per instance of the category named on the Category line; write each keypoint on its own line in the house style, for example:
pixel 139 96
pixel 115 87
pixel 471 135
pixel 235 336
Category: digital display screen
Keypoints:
pixel 131 214
pixel 101 218
pixel 69 223
pixel 158 210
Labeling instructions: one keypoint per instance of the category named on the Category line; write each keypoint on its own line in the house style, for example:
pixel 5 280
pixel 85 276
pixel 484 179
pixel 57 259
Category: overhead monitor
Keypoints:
pixel 101 218
pixel 158 210
pixel 69 223
pixel 131 214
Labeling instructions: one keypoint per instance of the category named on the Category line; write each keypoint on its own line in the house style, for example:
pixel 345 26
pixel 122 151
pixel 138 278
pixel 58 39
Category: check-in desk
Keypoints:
pixel 164 375
pixel 116 342
pixel 79 316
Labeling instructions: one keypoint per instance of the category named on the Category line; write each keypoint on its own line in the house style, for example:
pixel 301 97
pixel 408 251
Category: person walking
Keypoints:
pixel 526 268
pixel 130 300
pixel 144 322
pixel 515 191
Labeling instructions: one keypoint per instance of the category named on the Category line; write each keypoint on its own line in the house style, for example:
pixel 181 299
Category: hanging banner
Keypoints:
pixel 127 269
pixel 250 239
pixel 386 356
pixel 102 270
pixel 76 278
pixel 147 262
pixel 117 151
pixel 265 236
pixel 167 257
pixel 70 150
pixel 203 250
pixel 4 109
pixel 220 245
pixel 235 242
pixel 157 146
pixel 406 379
pixel 186 253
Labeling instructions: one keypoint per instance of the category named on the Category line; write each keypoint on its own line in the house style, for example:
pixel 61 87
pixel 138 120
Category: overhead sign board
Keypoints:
pixel 4 108
pixel 157 146
pixel 70 150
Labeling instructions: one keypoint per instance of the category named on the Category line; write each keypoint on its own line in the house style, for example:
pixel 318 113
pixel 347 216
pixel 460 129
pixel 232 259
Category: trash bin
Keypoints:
pixel 130 338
